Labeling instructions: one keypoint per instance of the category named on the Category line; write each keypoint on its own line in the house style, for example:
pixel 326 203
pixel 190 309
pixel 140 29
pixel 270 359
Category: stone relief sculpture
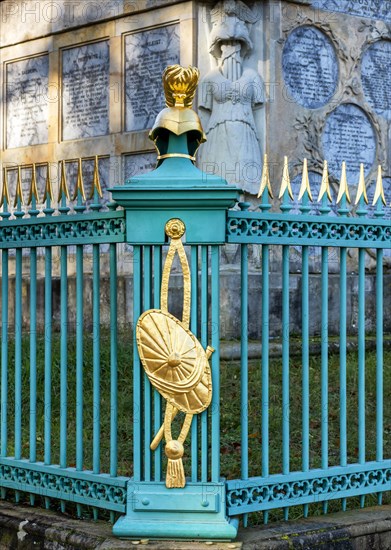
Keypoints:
pixel 228 95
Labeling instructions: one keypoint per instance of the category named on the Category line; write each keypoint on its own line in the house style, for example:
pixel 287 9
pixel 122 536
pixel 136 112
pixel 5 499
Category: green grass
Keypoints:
pixel 230 410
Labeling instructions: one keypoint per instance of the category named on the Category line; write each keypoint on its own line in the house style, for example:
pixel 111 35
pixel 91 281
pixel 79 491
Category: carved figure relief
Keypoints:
pixel 228 94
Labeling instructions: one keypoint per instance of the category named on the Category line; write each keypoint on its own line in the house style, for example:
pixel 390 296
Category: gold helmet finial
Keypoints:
pixel 180 85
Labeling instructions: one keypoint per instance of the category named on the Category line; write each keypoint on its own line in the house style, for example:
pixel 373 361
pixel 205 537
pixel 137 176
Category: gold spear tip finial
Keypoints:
pixel 63 191
pixel 79 188
pixel 18 192
pixel 285 182
pixel 361 190
pixel 96 186
pixel 379 189
pixel 325 184
pixel 33 186
pixel 265 179
pixel 343 185
pixel 5 196
pixel 305 182
pixel 48 193
pixel 180 85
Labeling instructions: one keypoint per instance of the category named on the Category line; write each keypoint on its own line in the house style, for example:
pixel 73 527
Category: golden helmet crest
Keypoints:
pixel 180 85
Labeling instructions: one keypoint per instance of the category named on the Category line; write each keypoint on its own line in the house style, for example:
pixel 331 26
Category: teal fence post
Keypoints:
pixel 177 189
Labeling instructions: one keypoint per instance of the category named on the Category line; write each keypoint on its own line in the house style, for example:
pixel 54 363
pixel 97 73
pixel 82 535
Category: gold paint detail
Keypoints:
pixel 174 360
pixel 96 186
pixel 379 189
pixel 265 179
pixel 176 155
pixel 177 121
pixel 175 228
pixel 180 85
pixel 79 183
pixel 343 185
pixel 63 190
pixel 361 189
pixel 18 192
pixel 285 182
pixel 176 246
pixel 5 195
pixel 48 193
pixel 325 184
pixel 305 182
pixel 33 187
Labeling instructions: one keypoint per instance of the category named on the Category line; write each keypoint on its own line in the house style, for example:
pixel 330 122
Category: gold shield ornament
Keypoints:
pixel 174 360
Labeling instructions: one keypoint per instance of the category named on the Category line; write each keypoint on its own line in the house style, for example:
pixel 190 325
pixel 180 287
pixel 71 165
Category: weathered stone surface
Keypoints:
pixel 373 9
pixel 368 529
pixel 25 528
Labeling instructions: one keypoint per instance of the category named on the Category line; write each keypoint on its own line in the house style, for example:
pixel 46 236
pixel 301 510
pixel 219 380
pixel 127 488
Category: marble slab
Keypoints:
pixel 138 164
pixel 349 136
pixel 376 77
pixel 372 9
pixel 147 54
pixel 85 91
pixel 310 67
pixel 27 101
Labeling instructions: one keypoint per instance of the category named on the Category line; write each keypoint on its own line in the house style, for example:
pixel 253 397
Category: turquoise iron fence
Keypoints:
pixel 350 475
pixel 208 506
pixel 36 234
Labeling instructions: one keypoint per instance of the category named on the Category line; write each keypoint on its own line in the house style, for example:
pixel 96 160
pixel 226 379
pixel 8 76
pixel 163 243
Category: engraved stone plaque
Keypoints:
pixel 147 54
pixel 138 164
pixel 376 77
pixel 310 67
pixel 349 135
pixel 27 101
pixel 373 9
pixel 85 102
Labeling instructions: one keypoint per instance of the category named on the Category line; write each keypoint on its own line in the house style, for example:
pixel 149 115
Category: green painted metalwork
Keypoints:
pixel 157 271
pixel 194 329
pixel 137 372
pixel 298 488
pixel 96 358
pixel 204 343
pixel 206 506
pixel 280 229
pixel 51 481
pixel 113 362
pixel 147 431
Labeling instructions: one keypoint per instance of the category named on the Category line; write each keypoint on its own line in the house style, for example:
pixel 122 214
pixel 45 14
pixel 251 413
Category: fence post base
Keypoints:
pixel 195 512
